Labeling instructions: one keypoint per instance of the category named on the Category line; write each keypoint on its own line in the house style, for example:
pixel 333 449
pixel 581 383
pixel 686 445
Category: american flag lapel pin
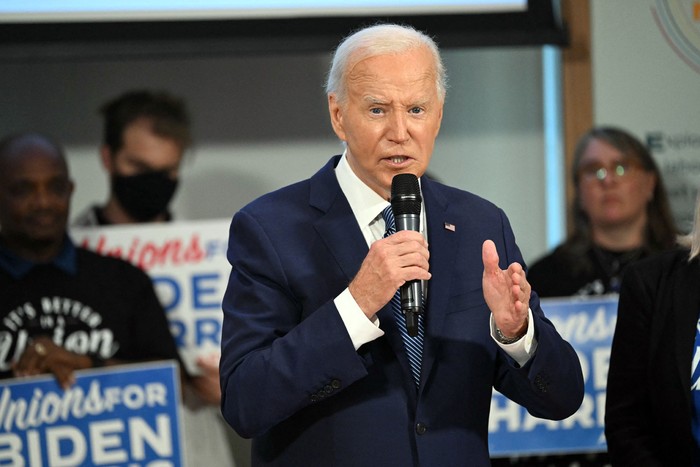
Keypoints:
pixel 449 226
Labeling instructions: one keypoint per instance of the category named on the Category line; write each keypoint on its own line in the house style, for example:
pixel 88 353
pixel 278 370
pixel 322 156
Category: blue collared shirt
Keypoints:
pixel 19 267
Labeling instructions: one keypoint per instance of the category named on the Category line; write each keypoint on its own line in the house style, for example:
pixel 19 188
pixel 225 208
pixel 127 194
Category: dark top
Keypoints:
pixel 562 274
pixel 648 405
pixel 94 216
pixel 86 303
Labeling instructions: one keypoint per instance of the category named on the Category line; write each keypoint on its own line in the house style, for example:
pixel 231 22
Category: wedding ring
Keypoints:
pixel 40 349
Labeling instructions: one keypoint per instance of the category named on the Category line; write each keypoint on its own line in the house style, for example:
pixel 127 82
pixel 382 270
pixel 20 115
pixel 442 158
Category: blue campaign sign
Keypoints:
pixel 588 325
pixel 187 263
pixel 126 415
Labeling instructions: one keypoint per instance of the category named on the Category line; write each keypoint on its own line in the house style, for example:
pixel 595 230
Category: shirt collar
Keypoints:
pixel 19 267
pixel 364 202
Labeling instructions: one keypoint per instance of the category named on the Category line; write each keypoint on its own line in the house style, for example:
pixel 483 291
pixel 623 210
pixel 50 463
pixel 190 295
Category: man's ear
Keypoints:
pixel 439 120
pixel 107 159
pixel 336 113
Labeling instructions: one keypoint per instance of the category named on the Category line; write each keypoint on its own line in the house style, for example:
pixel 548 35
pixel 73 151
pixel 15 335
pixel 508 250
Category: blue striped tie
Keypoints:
pixel 414 345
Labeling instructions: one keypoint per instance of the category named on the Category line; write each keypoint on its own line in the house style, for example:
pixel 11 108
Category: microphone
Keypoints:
pixel 406 204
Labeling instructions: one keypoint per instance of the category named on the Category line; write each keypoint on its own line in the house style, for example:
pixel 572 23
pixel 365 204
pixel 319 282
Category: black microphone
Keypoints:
pixel 406 204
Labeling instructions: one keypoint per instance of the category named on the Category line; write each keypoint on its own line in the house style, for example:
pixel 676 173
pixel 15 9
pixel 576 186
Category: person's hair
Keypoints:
pixel 661 232
pixel 167 115
pixel 692 239
pixel 380 39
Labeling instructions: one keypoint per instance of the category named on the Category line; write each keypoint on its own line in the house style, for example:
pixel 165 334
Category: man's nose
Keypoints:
pixel 43 197
pixel 398 128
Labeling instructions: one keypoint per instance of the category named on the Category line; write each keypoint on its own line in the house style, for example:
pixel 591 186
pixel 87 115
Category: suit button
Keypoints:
pixel 421 428
pixel 335 383
pixel 314 398
pixel 541 382
pixel 327 389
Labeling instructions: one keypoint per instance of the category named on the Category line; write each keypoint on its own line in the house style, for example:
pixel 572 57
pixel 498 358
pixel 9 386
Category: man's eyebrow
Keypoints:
pixel 135 159
pixel 422 102
pixel 372 100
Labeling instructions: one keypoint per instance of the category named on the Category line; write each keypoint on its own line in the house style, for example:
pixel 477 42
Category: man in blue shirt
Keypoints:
pixel 63 308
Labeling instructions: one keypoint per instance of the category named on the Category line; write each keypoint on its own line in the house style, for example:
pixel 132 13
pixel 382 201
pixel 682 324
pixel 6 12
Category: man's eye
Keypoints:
pixel 21 190
pixel 375 111
pixel 416 110
pixel 59 188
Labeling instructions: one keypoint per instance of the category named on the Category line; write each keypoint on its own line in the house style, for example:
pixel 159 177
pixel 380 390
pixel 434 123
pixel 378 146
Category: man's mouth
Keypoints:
pixel 43 219
pixel 398 159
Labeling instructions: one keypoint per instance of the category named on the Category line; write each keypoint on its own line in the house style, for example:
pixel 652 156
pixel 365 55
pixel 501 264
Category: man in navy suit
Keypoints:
pixel 313 366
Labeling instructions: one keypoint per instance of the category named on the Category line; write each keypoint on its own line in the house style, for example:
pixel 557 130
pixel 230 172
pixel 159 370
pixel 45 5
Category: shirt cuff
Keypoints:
pixel 359 327
pixel 524 348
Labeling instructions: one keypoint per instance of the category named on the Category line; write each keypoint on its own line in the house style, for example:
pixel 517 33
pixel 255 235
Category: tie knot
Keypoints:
pixel 388 216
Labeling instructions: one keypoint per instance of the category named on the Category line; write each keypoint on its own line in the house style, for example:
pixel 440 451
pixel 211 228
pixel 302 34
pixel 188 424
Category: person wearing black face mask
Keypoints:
pixel 145 136
pixel 146 195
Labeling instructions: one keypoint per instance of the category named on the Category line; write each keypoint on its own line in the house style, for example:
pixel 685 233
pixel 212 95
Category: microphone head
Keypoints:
pixel 405 195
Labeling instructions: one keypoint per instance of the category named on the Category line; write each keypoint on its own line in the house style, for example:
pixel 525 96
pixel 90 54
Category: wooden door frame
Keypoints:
pixel 577 86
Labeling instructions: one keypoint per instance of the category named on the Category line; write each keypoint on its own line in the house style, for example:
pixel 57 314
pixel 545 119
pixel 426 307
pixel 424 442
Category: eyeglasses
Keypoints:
pixel 597 171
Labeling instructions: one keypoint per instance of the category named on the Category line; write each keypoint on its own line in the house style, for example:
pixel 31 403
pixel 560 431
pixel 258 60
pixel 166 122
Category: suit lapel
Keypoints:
pixel 346 244
pixel 348 248
pixel 443 239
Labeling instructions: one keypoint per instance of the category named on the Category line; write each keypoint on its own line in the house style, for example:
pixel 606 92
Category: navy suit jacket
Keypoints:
pixel 291 378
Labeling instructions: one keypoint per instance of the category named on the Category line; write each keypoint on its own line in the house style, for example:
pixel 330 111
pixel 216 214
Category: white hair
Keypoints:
pixel 381 39
pixel 692 240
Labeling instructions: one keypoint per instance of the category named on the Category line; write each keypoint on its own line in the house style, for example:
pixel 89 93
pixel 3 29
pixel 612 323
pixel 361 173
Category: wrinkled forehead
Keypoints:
pixel 407 53
pixel 409 67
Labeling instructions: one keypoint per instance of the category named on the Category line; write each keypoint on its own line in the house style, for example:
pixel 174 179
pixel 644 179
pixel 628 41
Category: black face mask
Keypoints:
pixel 146 195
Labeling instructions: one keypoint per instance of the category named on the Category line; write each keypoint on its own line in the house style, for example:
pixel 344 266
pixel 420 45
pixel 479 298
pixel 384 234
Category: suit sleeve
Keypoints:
pixel 277 358
pixel 550 385
pixel 629 435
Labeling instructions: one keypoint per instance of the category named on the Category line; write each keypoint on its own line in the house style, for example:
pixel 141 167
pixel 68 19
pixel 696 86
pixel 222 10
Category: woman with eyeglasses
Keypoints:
pixel 621 213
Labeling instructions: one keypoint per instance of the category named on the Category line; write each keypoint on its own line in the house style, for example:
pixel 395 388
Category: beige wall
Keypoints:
pixel 645 82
